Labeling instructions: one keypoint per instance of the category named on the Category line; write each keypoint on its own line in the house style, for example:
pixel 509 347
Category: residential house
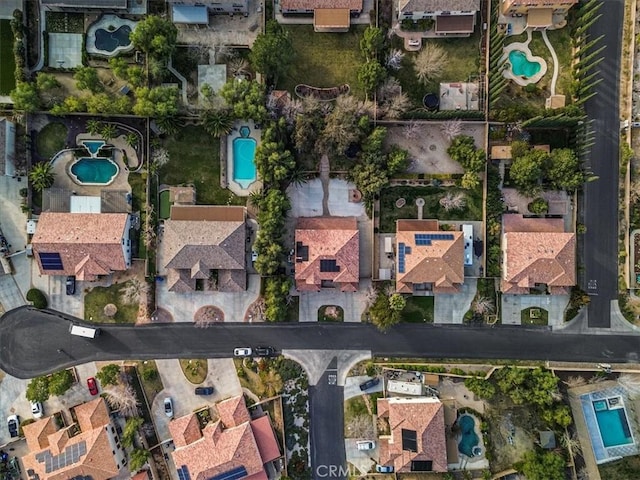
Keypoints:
pixel 327 254
pixel 449 16
pixel 539 12
pixel 417 440
pixel 328 15
pixel 87 245
pixel 89 448
pixel 7 146
pixel 538 255
pixel 204 248
pixel 198 11
pixel 429 260
pixel 81 5
pixel 235 446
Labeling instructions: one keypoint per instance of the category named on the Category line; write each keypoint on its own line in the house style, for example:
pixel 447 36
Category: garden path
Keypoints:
pixel 556 70
pixel 325 168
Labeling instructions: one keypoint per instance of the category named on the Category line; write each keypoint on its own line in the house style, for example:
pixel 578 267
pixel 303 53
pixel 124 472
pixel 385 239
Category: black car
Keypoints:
pixel 369 384
pixel 204 390
pixel 71 285
pixel 13 424
pixel 264 351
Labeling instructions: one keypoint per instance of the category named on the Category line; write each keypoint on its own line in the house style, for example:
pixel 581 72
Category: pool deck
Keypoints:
pixel 524 48
pixel 471 463
pixel 232 185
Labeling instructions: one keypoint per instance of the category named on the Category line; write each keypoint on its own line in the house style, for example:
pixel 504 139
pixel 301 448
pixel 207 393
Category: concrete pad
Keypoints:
pixel 353 303
pixel 12 401
pixel 363 460
pixel 339 204
pixel 8 6
pixel 10 295
pixel 316 362
pixel 65 50
pixel 306 199
pixel 352 387
pixel 512 305
pixel 213 75
pixel 451 307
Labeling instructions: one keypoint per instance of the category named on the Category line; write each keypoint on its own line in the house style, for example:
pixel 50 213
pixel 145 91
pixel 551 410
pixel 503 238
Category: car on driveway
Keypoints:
pixel 242 352
pixel 71 285
pixel 254 256
pixel 384 469
pixel 36 409
pixel 13 423
pixel 204 390
pixel 365 445
pixel 264 351
pixel 92 385
pixel 372 382
pixel 415 42
pixel 168 407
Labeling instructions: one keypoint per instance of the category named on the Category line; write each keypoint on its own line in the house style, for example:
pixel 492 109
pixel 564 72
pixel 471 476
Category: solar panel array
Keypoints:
pixel 234 474
pixel 329 266
pixel 50 261
pixel 409 440
pixel 402 250
pixel 426 238
pixel 70 456
pixel 183 473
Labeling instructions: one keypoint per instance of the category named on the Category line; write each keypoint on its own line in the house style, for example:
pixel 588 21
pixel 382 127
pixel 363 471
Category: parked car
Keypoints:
pixel 13 423
pixel 36 409
pixel 365 445
pixel 71 285
pixel 168 407
pixel 369 383
pixel 415 42
pixel 242 352
pixel 92 385
pixel 264 351
pixel 204 390
pixel 254 256
pixel 384 469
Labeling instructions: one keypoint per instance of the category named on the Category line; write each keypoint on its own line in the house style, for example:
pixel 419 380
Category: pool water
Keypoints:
pixel 244 168
pixel 469 438
pixel 94 170
pixel 521 66
pixel 613 425
pixel 109 41
pixel 93 146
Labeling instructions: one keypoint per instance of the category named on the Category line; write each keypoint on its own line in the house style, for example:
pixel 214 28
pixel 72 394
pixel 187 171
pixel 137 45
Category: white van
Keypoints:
pixel 366 445
pixel 86 332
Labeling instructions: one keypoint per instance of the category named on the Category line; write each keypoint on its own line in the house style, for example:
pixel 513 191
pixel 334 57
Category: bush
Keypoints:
pixel 37 298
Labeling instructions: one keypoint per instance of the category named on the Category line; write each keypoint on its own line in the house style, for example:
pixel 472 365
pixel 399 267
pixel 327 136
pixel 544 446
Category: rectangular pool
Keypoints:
pixel 613 424
pixel 244 167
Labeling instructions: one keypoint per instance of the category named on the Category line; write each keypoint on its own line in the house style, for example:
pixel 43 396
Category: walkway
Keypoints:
pixel 451 307
pixel 42 27
pixel 556 68
pixel 512 306
pixel 183 82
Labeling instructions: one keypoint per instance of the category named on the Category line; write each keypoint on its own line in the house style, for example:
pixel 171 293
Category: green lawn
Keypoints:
pixel 51 139
pixel 98 297
pixel 324 59
pixel 322 317
pixel 195 159
pixel 7 63
pixel 432 208
pixel 165 205
pixel 464 61
pixel 293 310
pixel 418 310
pixel 539 316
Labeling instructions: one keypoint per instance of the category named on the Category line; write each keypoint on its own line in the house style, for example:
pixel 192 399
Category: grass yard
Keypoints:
pixel 98 297
pixel 51 139
pixel 164 209
pixel 432 208
pixel 195 159
pixel 336 316
pixel 194 370
pixel 61 22
pixel 7 62
pixel 354 407
pixel 150 379
pixel 534 316
pixel 324 59
pixel 418 310
pixel 293 310
pixel 464 61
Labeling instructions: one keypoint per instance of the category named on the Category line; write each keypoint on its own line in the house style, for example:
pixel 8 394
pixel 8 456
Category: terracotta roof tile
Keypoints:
pixel 439 5
pixel 233 411
pixel 37 433
pixel 328 238
pixel 89 244
pixel 424 416
pixel 265 438
pixel 355 5
pixel 185 430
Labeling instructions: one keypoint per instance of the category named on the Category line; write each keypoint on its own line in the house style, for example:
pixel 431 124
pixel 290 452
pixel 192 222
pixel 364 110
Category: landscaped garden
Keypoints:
pixel 51 139
pixel 484 307
pixel 324 59
pixel 194 158
pixel 433 208
pixel 418 310
pixel 117 303
pixel 534 316
pixel 195 370
pixel 330 313
pixel 7 63
pixel 64 22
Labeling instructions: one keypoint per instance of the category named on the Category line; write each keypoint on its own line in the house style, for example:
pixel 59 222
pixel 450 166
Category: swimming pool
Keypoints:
pixel 93 146
pixel 109 41
pixel 612 423
pixel 468 438
pixel 244 168
pixel 94 171
pixel 109 35
pixel 521 65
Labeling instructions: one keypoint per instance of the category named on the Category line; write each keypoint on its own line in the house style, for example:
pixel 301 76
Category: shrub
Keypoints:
pixel 37 298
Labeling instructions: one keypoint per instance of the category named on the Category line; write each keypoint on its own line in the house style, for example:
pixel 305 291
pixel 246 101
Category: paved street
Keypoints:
pixel 601 197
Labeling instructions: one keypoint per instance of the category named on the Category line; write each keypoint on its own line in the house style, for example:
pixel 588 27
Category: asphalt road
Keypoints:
pixel 601 196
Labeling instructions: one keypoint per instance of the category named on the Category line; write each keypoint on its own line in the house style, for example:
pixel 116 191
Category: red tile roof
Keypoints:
pixel 265 438
pixel 424 416
pixel 229 443
pixel 89 244
pixel 355 5
pixel 328 238
pixel 537 251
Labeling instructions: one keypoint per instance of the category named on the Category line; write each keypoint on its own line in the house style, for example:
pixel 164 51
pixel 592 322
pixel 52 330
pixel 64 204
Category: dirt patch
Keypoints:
pixel 512 434
pixel 208 314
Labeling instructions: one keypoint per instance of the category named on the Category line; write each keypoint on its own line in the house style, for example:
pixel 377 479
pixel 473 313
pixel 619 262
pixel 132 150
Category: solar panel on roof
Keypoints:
pixel 50 261
pixel 401 248
pixel 329 266
pixel 234 474
pixel 409 440
pixel 183 473
pixel 427 238
pixel 421 465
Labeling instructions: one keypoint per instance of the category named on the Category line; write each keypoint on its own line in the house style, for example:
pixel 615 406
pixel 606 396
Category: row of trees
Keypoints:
pixel 464 151
pixel 41 388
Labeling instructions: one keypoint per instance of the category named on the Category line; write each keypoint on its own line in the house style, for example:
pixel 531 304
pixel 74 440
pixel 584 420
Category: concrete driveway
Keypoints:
pixel 221 375
pixel 317 362
pixel 363 460
pixel 306 199
pixel 451 307
pixel 352 387
pixel 10 295
pixel 512 306
pixel 353 303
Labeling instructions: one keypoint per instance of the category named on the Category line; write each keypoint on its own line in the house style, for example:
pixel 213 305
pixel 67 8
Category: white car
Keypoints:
pixel 168 407
pixel 242 352
pixel 254 256
pixel 366 445
pixel 36 409
pixel 415 42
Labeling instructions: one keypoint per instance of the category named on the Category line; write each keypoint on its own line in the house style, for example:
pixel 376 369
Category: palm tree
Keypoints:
pixel 168 124
pixel 131 139
pixel 217 122
pixel 108 131
pixel 42 176
pixel 298 177
pixel 94 127
pixel 256 197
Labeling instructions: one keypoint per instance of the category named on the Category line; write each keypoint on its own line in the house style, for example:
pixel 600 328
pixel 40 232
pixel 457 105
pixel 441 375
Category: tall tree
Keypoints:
pixel 527 171
pixel 246 99
pixel 155 36
pixel 370 75
pixel 430 62
pixel 25 97
pixel 217 122
pixel 109 374
pixel 38 389
pixel 543 466
pixel 60 382
pixel 564 172
pixel 41 176
pixel 272 52
pixel 87 79
pixel 371 42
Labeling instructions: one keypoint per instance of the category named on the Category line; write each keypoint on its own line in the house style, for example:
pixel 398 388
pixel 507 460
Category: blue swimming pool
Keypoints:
pixel 521 65
pixel 93 146
pixel 244 167
pixel 613 424
pixel 468 437
pixel 109 41
pixel 94 171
